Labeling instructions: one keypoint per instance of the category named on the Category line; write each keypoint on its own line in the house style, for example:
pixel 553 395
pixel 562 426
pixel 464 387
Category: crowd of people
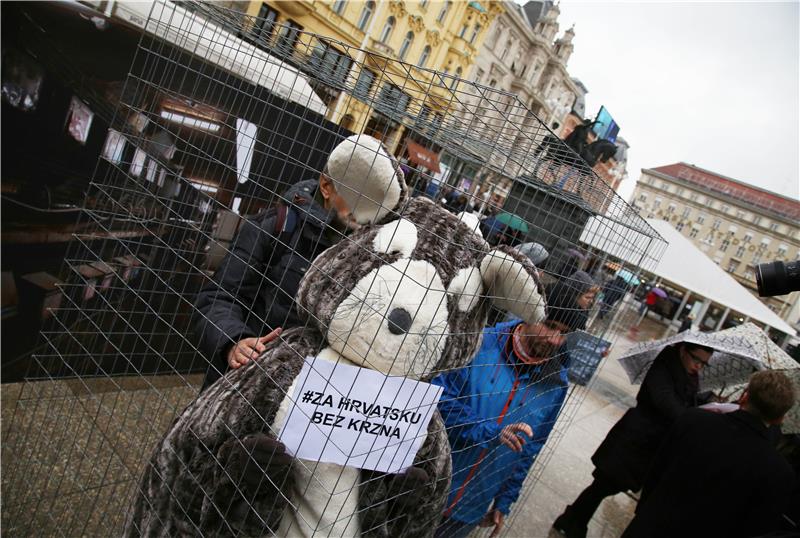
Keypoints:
pixel 700 473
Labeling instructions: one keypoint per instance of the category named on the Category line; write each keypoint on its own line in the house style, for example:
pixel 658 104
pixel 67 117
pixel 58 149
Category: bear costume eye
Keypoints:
pixel 396 237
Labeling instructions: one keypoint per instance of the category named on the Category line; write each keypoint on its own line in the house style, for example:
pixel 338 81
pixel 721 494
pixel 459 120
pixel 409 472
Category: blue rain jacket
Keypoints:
pixel 477 402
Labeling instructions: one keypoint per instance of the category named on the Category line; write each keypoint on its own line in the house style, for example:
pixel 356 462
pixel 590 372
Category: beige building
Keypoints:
pixel 420 38
pixel 737 225
pixel 524 56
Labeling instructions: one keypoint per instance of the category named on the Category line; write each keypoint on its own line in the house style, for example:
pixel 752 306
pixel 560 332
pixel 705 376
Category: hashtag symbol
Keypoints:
pixel 308 396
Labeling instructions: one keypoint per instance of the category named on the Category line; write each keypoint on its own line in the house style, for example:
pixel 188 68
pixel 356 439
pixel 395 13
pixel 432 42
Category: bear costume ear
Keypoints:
pixel 512 283
pixel 467 288
pixel 368 177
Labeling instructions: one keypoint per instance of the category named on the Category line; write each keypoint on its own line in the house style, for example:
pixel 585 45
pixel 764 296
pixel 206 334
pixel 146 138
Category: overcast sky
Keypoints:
pixel 716 85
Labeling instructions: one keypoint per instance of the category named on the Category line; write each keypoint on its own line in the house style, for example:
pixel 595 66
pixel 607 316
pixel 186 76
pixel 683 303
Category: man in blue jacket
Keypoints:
pixel 499 412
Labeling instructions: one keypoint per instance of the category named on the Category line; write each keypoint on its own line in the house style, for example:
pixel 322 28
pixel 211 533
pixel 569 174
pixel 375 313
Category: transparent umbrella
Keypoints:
pixel 738 352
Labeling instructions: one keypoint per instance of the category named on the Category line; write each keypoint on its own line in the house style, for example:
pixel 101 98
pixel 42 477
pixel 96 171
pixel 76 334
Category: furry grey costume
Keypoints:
pixel 404 298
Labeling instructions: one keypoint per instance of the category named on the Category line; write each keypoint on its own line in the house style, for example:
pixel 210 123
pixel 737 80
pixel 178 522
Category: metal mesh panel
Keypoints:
pixel 217 122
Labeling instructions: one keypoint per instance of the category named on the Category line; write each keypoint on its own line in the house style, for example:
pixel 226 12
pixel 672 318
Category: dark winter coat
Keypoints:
pixel 254 288
pixel 629 448
pixel 715 475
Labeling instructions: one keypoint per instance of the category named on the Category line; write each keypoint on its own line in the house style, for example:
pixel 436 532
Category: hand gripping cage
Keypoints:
pixel 215 125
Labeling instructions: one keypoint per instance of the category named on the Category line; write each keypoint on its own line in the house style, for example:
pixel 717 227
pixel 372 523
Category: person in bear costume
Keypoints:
pixel 406 296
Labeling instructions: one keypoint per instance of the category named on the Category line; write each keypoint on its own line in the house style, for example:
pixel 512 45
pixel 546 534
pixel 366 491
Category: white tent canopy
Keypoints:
pixel 682 264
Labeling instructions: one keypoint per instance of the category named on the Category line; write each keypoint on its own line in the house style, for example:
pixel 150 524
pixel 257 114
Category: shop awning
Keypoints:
pixel 423 157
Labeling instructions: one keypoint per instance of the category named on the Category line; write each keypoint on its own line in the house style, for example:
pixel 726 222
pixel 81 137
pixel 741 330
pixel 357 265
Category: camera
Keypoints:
pixel 778 278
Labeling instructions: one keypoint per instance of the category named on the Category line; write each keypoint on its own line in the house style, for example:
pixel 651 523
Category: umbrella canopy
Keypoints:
pixel 515 222
pixel 774 358
pixel 661 293
pixel 739 352
pixel 628 277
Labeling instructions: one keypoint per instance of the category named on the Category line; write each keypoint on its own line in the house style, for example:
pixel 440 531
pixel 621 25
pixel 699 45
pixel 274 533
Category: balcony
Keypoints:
pixel 382 48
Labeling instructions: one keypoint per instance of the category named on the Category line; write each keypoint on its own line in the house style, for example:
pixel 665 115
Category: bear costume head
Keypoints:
pixel 405 296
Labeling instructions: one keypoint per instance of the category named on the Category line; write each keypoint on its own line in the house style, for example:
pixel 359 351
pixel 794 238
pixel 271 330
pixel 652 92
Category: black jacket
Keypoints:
pixel 254 288
pixel 715 475
pixel 628 449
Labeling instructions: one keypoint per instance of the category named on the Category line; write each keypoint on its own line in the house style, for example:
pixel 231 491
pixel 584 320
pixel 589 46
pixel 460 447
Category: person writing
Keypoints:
pixel 499 412
pixel 251 296
pixel 621 462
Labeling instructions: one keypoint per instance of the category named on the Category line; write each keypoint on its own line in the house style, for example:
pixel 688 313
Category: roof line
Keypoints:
pixel 737 181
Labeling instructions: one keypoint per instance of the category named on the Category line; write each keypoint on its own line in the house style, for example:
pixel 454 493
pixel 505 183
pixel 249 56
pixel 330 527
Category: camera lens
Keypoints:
pixel 777 278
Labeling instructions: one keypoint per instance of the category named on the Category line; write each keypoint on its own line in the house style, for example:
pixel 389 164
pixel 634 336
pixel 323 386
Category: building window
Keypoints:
pixel 747 237
pixel 665 186
pixel 679 226
pixel 693 233
pixel 405 45
pixel 366 15
pixel 287 37
pixel 749 273
pixel 757 257
pixel 740 215
pixel 364 84
pixel 709 238
pixel 723 247
pixel 338 6
pixel 739 252
pixel 454 82
pixel 642 197
pixel 701 219
pixel 679 191
pixel 479 75
pixel 475 32
pixel 386 33
pixel 756 220
pixel 423 4
pixel 782 251
pixel 392 99
pixel 656 203
pixel 686 212
pixel 733 265
pixel 330 64
pixel 775 227
pixel 264 24
pixel 671 208
pixel 443 12
pixel 505 51
pixel 716 224
pixel 423 58
pixel 725 209
pixel 463 31
pixel 693 197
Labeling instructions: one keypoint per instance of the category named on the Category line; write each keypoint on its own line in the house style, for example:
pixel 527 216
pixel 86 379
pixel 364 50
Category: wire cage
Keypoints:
pixel 221 119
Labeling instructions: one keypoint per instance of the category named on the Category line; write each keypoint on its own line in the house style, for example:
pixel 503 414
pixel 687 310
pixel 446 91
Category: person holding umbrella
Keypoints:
pixel 622 460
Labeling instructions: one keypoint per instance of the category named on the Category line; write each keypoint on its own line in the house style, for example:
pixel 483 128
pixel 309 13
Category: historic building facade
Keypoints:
pixel 737 225
pixel 428 36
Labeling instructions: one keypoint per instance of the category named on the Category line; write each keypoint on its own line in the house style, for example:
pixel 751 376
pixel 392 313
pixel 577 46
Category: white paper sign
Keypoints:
pixel 357 417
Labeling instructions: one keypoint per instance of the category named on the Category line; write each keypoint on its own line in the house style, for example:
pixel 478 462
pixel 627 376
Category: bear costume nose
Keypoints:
pixel 399 321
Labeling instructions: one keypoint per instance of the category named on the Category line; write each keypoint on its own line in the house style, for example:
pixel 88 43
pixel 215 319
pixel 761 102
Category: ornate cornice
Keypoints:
pixel 416 23
pixel 398 8
pixel 433 38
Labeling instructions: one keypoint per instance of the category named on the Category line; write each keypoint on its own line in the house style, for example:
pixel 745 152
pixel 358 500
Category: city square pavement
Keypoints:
pixel 73 450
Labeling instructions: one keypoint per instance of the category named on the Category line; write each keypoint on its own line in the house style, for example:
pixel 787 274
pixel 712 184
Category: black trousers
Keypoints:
pixel 577 515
